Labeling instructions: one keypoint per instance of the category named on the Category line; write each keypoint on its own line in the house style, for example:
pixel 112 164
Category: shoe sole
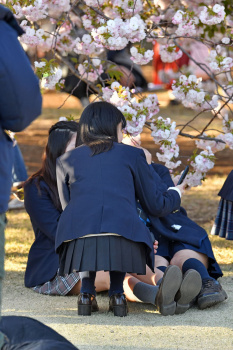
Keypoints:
pixel 84 310
pixel 167 290
pixel 119 311
pixel 189 289
pixel 211 300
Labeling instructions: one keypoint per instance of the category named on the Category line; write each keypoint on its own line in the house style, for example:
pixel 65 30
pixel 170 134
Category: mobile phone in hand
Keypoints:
pixel 185 172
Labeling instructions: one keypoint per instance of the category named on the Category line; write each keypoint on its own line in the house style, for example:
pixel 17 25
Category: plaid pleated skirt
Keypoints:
pixel 59 285
pixel 102 253
pixel 223 225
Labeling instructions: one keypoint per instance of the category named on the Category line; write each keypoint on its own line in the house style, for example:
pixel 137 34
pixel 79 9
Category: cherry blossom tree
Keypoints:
pixel 54 26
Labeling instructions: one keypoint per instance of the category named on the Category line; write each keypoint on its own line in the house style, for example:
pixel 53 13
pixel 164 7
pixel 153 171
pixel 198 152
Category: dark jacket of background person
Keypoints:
pixel 98 193
pixel 43 262
pixel 27 334
pixel 189 232
pixel 20 98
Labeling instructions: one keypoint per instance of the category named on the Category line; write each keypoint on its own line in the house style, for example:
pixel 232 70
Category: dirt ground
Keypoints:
pixel 144 328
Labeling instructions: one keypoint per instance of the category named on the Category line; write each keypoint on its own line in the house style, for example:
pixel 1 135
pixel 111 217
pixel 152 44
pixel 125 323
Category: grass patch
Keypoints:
pixel 201 204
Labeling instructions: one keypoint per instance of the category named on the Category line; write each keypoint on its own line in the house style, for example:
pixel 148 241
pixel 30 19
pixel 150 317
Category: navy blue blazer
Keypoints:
pixel 189 232
pixel 26 333
pixel 20 98
pixel 43 262
pixel 98 194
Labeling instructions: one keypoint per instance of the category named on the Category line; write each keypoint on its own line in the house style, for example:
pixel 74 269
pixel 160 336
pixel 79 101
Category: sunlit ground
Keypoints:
pixel 144 328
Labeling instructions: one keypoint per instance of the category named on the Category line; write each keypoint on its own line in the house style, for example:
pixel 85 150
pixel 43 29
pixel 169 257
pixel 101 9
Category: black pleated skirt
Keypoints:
pixel 106 252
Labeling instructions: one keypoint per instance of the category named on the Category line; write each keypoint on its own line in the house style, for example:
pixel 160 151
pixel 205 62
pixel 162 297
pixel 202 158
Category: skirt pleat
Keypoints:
pixel 223 225
pixel 102 253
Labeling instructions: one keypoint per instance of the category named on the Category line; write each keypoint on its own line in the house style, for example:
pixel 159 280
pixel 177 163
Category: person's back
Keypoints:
pixel 99 228
pixel 102 193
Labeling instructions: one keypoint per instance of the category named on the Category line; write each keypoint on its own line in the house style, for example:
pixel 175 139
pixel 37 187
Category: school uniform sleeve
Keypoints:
pixel 147 186
pixel 166 178
pixel 62 184
pixel 41 209
pixel 164 174
pixel 20 97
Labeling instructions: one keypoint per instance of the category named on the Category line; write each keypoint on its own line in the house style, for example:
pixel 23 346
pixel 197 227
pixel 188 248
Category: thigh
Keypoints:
pixel 182 255
pixel 148 278
pixel 161 261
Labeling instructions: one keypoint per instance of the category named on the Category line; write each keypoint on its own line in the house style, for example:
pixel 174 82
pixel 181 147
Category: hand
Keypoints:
pixel 181 187
pixel 155 245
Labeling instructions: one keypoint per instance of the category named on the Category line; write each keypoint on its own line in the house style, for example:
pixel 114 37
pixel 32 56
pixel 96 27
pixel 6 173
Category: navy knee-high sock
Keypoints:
pixel 116 282
pixel 198 266
pixel 88 282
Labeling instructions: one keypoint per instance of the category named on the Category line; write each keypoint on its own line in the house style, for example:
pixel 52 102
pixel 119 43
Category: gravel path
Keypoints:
pixel 144 328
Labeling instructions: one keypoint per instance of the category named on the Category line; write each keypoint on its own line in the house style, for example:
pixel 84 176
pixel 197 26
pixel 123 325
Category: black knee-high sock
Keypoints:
pixel 198 266
pixel 88 282
pixel 116 282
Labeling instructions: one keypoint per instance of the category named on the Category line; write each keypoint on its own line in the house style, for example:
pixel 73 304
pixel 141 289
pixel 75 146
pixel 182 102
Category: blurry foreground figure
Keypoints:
pixel 20 104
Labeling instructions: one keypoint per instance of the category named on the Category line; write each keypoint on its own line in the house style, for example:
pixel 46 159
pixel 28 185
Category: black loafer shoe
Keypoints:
pixel 189 289
pixel 211 294
pixel 86 304
pixel 168 288
pixel 118 304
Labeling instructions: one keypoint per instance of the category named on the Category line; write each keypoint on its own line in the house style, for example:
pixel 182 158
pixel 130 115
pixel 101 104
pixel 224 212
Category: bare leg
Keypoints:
pixel 129 284
pixel 152 277
pixel 180 257
pixel 159 261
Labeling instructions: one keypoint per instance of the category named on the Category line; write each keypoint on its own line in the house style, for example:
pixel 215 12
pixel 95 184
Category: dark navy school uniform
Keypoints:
pixel 43 262
pixel 188 236
pixel 20 98
pixel 98 195
pixel 223 225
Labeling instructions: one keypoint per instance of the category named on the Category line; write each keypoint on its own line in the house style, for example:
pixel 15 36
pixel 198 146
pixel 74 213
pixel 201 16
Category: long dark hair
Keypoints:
pixel 60 135
pixel 98 126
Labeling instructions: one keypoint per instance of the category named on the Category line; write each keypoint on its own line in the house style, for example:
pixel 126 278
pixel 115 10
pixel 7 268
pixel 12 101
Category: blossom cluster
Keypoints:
pixel 187 23
pixel 164 133
pixel 91 71
pixel 201 163
pixel 124 8
pixel 189 91
pixel 86 46
pixel 49 82
pixel 218 60
pixel 49 74
pixel 35 12
pixel 112 25
pixel 115 34
pixel 136 112
pixel 169 53
pixel 46 41
pixel 140 56
pixel 214 145
pixel 214 15
pixel 40 9
pixel 32 37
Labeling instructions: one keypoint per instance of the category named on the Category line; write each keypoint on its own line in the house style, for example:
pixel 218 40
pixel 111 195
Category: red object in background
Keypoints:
pixel 160 66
